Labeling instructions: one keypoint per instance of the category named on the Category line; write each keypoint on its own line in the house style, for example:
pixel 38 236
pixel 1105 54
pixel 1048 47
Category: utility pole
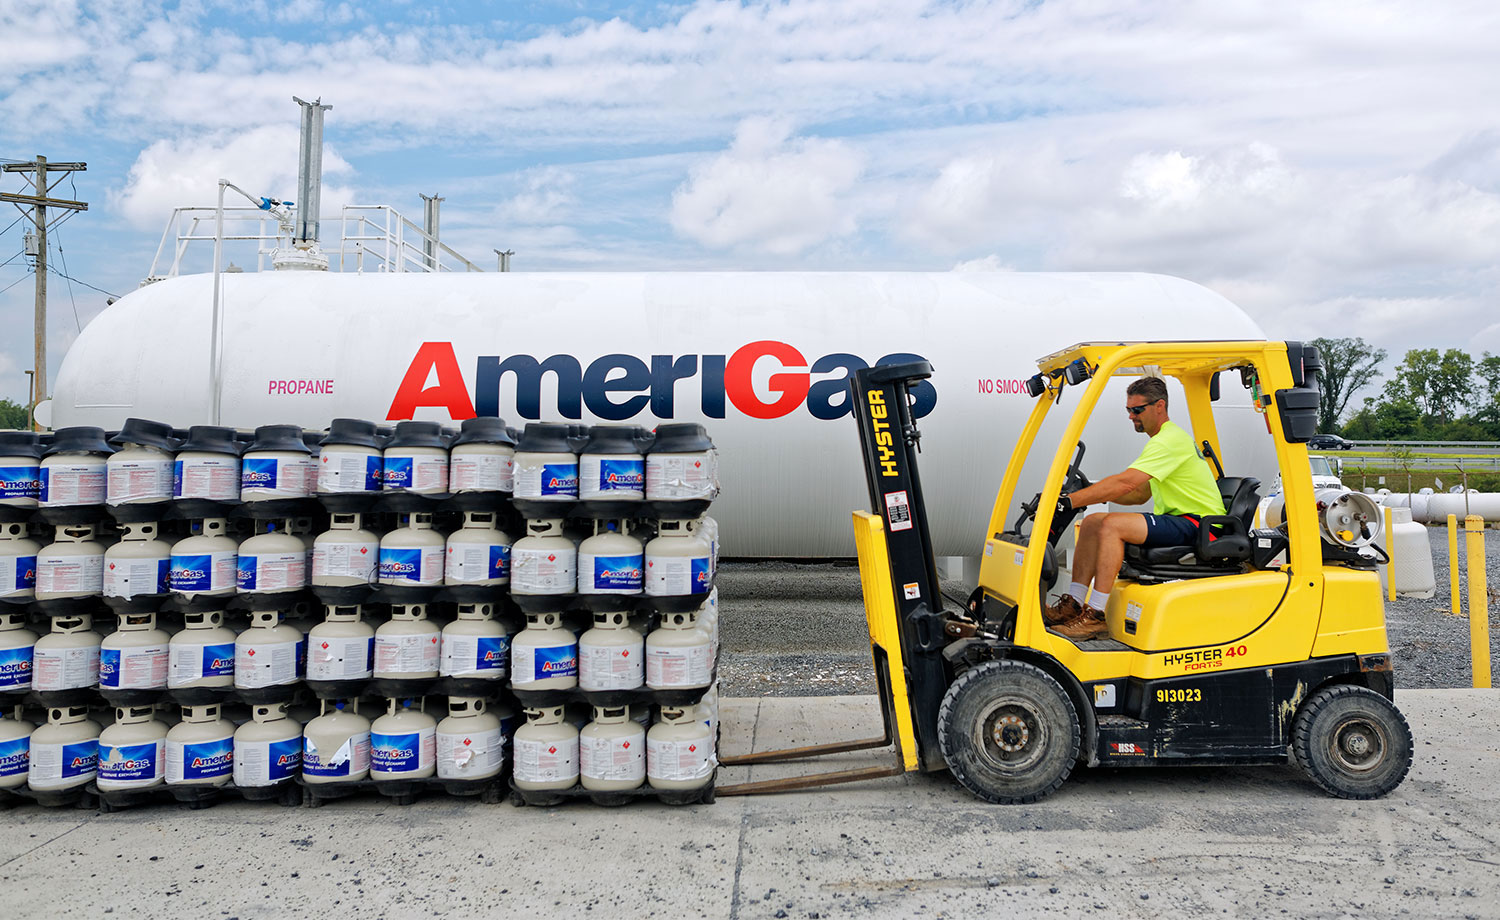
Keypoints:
pixel 38 203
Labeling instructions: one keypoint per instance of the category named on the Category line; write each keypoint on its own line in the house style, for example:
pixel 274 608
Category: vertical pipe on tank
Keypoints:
pixel 431 206
pixel 309 172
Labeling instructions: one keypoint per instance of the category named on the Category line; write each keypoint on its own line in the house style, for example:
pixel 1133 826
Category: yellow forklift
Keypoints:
pixel 1250 646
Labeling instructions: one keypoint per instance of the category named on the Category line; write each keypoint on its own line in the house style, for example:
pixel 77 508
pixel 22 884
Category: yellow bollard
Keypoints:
pixel 1479 601
pixel 1453 562
pixel 1390 552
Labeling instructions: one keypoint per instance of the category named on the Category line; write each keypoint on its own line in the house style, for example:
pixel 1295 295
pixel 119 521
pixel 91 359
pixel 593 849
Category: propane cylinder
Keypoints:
pixel 681 464
pixel 403 742
pixel 679 751
pixel 202 653
pixel 65 751
pixel 277 465
pixel 412 554
pixel 135 656
pixel 139 564
pixel 140 471
pixel 611 466
pixel 416 459
pixel 342 647
pixel 336 745
pixel 611 562
pixel 546 466
pixel 67 658
pixel 349 459
pixel 20 469
pixel 612 751
pixel 544 561
pixel 408 645
pixel 611 656
pixel 17 561
pixel 70 566
pixel 482 458
pixel 546 751
pixel 678 561
pixel 272 561
pixel 132 751
pixel 544 655
pixel 708 709
pixel 677 654
pixel 206 562
pixel 17 649
pixel 708 621
pixel 15 748
pixel 208 465
pixel 268 654
pixel 475 645
pixel 345 554
pixel 268 748
pixel 470 741
pixel 73 469
pixel 478 552
pixel 200 748
pixel 708 530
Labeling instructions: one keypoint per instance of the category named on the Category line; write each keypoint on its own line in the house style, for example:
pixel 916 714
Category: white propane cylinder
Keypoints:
pixel 611 562
pixel 470 742
pixel 482 458
pixel 611 656
pixel 611 466
pixel 268 653
pixel 202 653
pixel 408 645
pixel 546 751
pixel 412 554
pixel 15 748
pixel 268 748
pixel 277 465
pixel 349 459
pixel 200 748
pixel 708 529
pixel 17 649
pixel 73 469
pixel 271 561
pixel 135 656
pixel 138 565
pixel 345 554
pixel 612 751
pixel 65 751
pixel 205 563
pixel 544 655
pixel 478 552
pixel 207 466
pixel 336 744
pixel 679 751
pixel 679 561
pixel 416 459
pixel 681 464
pixel 67 658
pixel 403 743
pixel 20 469
pixel 677 654
pixel 1411 556
pixel 17 561
pixel 475 645
pixel 141 470
pixel 70 566
pixel 544 561
pixel 132 751
pixel 342 647
pixel 546 466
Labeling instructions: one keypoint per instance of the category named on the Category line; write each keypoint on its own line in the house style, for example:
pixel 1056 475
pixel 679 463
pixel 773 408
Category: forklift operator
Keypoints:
pixel 1182 489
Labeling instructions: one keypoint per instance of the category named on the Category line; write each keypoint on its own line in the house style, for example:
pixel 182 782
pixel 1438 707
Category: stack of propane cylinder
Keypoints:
pixel 265 587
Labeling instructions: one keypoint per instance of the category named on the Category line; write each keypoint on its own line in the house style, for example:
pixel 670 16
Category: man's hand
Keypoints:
pixel 1065 506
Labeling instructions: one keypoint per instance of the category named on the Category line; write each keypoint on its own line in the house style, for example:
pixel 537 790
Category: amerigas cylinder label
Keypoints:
pixel 130 577
pixel 21 483
pixel 261 763
pixel 531 663
pixel 679 760
pixel 139 480
pixel 461 755
pixel 613 758
pixel 340 657
pixel 215 478
pixel 547 761
pixel 343 471
pixel 73 484
pixel 411 566
pixel 203 572
pixel 351 758
pixel 403 752
pixel 269 474
pixel 197 760
pixel 475 656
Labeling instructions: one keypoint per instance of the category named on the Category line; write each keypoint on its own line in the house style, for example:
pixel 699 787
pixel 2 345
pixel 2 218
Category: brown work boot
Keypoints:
pixel 1090 625
pixel 1066 608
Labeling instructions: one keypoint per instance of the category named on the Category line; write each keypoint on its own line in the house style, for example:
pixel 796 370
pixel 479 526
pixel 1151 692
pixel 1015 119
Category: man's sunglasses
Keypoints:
pixel 1137 410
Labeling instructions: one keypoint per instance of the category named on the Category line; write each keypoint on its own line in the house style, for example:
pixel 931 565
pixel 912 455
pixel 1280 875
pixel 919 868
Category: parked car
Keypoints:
pixel 1329 442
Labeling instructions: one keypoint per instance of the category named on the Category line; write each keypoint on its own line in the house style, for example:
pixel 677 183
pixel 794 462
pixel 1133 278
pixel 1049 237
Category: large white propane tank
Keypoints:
pixel 412 554
pixel 679 751
pixel 416 459
pixel 200 748
pixel 611 656
pixel 345 554
pixel 342 647
pixel 482 458
pixel 70 566
pixel 407 646
pixel 546 751
pixel 268 748
pixel 17 561
pixel 272 561
pixel 132 751
pixel 139 564
pixel 544 655
pixel 470 743
pixel 73 469
pixel 202 652
pixel 677 654
pixel 611 562
pixel 65 751
pixel 612 751
pixel 403 742
pixel 140 471
pixel 336 744
pixel 678 561
pixel 475 644
pixel 67 658
pixel 135 656
pixel 349 460
pixel 544 561
pixel 205 563
pixel 277 465
pixel 268 653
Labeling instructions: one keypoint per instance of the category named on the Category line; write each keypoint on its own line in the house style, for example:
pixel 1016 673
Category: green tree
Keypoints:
pixel 13 415
pixel 1349 365
pixel 1434 382
pixel 1488 393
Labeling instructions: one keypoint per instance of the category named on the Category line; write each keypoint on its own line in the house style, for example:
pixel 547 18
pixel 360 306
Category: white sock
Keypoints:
pixel 1079 592
pixel 1098 602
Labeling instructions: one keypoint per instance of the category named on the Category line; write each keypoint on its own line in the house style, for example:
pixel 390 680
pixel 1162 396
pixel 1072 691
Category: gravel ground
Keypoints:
pixel 793 629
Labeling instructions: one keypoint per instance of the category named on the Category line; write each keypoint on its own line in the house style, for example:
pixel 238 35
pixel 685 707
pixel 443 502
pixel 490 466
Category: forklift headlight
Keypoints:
pixel 1077 372
pixel 1036 385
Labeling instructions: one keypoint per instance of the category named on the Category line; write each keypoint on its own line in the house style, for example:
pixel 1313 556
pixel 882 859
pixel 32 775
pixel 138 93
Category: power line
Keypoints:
pixel 71 300
pixel 84 283
pixel 12 284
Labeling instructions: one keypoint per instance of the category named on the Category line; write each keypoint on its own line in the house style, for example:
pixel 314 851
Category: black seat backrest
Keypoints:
pixel 1240 495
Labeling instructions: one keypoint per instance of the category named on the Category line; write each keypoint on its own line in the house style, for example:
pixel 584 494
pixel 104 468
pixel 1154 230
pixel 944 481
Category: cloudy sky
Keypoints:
pixel 1332 167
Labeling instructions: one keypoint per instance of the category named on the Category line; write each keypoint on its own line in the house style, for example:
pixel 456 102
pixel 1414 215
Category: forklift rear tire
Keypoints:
pixel 1008 732
pixel 1353 742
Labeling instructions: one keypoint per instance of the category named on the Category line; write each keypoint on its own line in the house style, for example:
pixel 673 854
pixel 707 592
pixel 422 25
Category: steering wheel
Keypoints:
pixel 1074 481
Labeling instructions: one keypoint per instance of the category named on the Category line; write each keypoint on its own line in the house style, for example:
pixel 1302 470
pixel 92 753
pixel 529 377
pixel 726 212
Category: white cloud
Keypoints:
pixel 989 263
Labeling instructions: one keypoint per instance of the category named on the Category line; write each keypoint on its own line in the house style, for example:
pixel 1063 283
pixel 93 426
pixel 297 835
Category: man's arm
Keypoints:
pixel 1132 487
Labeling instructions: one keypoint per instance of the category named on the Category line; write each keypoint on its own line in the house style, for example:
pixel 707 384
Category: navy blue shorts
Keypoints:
pixel 1170 530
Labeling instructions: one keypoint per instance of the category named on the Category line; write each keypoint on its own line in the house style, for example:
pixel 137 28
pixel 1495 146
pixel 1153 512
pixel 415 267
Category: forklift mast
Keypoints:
pixel 890 443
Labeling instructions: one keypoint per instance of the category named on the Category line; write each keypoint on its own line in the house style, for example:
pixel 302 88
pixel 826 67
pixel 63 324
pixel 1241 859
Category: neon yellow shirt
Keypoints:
pixel 1181 481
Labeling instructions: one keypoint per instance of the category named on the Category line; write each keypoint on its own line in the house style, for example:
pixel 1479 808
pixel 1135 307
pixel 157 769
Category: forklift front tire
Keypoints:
pixel 1008 732
pixel 1353 742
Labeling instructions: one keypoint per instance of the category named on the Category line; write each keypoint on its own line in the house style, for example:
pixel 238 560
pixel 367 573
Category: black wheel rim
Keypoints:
pixel 1011 735
pixel 1358 745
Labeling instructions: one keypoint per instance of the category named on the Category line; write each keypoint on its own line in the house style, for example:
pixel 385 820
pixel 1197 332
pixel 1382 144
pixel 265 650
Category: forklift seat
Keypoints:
pixel 1223 542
